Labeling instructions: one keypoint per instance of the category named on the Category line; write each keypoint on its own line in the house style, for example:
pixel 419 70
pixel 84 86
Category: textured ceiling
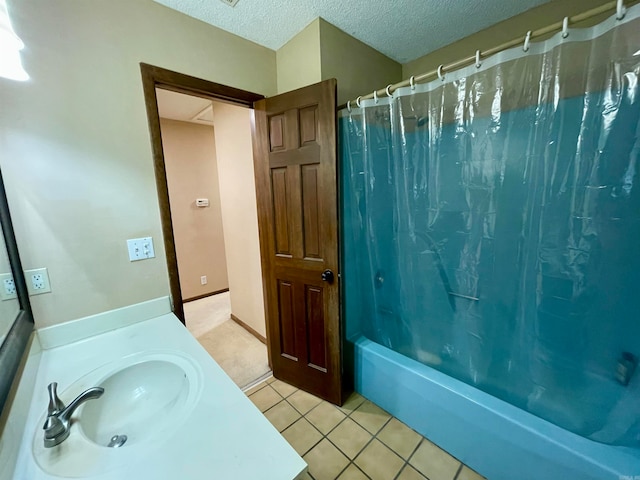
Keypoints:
pixel 401 29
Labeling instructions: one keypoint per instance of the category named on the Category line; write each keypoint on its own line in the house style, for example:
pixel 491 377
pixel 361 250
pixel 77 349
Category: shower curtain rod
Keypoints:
pixel 554 27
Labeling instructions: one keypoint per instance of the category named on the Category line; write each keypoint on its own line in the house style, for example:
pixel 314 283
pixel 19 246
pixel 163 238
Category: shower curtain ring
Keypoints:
pixel 527 40
pixel 565 27
pixel 375 97
pixel 478 64
pixel 412 82
pixel 440 74
pixel 358 101
pixel 388 90
pixel 349 106
pixel 620 10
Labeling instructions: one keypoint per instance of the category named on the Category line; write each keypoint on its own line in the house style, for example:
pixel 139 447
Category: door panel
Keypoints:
pixel 286 319
pixel 281 210
pixel 310 211
pixel 295 164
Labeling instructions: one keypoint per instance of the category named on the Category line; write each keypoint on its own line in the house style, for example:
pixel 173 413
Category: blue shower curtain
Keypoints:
pixel 491 226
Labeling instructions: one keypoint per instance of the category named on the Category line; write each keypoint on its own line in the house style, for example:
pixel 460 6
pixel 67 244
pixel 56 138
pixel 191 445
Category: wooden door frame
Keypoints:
pixel 156 77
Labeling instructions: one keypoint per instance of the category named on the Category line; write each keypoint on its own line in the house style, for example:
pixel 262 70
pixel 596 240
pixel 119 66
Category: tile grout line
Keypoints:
pixel 373 436
pixel 459 470
pixel 360 470
pixel 364 447
pixel 264 384
pixel 304 415
pixel 406 462
pixel 326 436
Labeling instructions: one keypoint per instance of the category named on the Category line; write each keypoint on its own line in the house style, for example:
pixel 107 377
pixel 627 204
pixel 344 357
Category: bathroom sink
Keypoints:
pixel 139 402
pixel 147 397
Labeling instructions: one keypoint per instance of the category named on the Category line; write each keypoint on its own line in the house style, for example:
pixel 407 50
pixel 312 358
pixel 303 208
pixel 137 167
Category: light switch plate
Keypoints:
pixel 140 248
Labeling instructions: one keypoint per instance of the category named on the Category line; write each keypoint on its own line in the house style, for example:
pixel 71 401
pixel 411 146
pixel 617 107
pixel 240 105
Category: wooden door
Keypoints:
pixel 295 163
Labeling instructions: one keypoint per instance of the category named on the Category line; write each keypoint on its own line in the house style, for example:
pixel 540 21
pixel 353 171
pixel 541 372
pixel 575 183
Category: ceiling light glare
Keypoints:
pixel 10 46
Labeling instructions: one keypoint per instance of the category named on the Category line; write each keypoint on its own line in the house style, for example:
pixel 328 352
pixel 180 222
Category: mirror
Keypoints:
pixel 16 318
pixel 8 308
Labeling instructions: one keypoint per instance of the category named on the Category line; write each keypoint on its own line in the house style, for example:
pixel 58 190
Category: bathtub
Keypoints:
pixel 500 441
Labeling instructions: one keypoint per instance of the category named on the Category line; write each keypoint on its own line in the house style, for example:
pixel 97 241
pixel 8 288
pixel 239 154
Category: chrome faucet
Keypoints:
pixel 58 423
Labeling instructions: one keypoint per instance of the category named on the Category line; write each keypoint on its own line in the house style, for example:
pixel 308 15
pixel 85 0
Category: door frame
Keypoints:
pixel 156 77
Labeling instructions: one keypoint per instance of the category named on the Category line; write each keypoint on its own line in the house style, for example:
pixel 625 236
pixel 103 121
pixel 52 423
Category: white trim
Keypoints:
pixel 75 330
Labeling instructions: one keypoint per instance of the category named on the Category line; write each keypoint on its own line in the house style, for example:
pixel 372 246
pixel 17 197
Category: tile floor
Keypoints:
pixel 357 441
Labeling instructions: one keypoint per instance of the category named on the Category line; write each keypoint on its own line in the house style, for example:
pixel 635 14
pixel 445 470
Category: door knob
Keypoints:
pixel 327 276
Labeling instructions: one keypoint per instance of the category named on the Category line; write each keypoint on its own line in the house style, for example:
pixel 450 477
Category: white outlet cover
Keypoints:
pixel 37 281
pixel 140 248
pixel 7 287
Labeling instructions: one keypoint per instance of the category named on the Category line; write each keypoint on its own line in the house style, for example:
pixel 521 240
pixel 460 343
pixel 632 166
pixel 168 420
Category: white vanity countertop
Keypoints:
pixel 224 437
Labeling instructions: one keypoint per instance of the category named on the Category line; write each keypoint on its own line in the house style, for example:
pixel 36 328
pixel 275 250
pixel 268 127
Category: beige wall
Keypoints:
pixel 74 143
pixel 298 60
pixel 358 68
pixel 502 32
pixel 322 51
pixel 192 172
pixel 239 212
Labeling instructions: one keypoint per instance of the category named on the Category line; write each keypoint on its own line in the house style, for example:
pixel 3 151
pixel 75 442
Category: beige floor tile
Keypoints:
pixel 283 388
pixel 271 379
pixel 255 388
pixel 282 415
pixel 350 438
pixel 306 476
pixel 325 461
pixel 325 417
pixel 303 401
pixel 370 416
pixel 353 473
pixel 265 398
pixel 467 474
pixel 410 473
pixel 433 462
pixel 353 402
pixel 302 436
pixel 399 438
pixel 379 462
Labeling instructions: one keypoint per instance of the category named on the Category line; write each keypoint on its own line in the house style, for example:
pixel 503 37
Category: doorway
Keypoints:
pixel 295 199
pixel 211 210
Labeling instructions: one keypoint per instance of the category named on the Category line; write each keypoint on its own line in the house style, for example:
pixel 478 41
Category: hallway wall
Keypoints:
pixel 192 172
pixel 240 213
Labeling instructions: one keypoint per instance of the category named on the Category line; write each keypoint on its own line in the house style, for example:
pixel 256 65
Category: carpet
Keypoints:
pixel 241 355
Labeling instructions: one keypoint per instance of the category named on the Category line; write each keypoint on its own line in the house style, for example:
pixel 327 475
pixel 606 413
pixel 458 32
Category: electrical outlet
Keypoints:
pixel 37 281
pixel 203 280
pixel 7 287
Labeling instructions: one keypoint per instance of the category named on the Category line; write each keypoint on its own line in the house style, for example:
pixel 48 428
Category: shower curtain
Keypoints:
pixel 491 226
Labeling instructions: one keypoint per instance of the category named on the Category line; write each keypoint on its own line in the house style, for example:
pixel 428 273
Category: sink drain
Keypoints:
pixel 117 441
